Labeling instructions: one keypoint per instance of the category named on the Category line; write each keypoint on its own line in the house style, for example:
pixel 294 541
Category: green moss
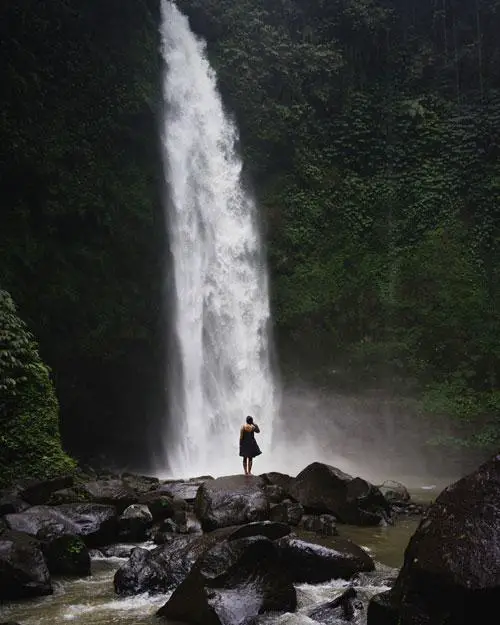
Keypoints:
pixel 29 411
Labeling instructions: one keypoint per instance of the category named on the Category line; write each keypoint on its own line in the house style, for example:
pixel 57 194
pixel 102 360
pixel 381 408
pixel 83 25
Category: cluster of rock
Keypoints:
pixel 224 546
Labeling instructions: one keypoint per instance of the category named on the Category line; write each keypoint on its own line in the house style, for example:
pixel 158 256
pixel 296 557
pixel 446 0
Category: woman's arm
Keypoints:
pixel 256 428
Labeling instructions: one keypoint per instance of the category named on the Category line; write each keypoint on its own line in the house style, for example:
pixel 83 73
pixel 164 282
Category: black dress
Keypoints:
pixel 248 444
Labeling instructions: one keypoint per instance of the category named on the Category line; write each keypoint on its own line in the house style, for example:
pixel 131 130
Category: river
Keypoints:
pixel 92 601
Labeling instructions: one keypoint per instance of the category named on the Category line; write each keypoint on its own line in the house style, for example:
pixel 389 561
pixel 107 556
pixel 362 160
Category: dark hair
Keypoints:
pixel 249 419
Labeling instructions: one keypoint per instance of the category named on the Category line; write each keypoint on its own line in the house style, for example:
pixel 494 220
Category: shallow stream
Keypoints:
pixel 92 601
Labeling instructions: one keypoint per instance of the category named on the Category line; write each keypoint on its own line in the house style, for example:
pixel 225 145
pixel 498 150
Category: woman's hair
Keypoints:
pixel 249 419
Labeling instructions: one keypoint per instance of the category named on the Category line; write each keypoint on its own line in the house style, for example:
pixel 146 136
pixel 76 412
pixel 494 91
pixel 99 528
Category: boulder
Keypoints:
pixel 342 609
pixel 10 503
pixel 118 551
pixel 325 489
pixel 287 511
pixel 143 572
pixel 232 500
pixel 95 523
pixel 181 489
pixel 112 492
pixel 395 492
pixel 161 505
pixel 282 480
pixel 274 493
pixel 178 554
pixel 322 524
pixel 140 484
pixel 231 584
pixel 67 555
pixel 23 570
pixel 134 522
pixel 451 571
pixel 313 563
pixel 38 492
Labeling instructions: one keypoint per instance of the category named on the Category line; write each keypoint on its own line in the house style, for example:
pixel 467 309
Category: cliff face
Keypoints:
pixel 81 220
pixel 370 133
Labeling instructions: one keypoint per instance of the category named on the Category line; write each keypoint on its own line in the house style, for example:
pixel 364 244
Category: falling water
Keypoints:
pixel 221 302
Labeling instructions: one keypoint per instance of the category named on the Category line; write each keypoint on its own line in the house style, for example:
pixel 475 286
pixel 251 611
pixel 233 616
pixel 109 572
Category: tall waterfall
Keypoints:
pixel 221 302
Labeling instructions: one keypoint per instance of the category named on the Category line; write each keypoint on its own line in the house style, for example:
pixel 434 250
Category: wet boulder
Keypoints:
pixel 67 555
pixel 143 572
pixel 321 524
pixel 274 493
pixel 231 500
pixel 231 584
pixel 119 550
pixel 343 609
pixel 10 503
pixel 95 523
pixel 160 504
pixel 140 484
pixel 395 492
pixel 185 490
pixel 134 523
pixel 325 489
pixel 112 492
pixel 313 563
pixel 23 570
pixel 38 492
pixel 282 480
pixel 289 512
pixel 451 571
pixel 177 555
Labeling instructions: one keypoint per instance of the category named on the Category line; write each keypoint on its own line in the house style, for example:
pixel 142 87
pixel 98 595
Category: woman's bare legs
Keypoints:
pixel 250 460
pixel 245 469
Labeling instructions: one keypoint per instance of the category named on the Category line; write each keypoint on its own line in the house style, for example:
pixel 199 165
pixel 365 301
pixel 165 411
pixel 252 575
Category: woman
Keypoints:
pixel 248 445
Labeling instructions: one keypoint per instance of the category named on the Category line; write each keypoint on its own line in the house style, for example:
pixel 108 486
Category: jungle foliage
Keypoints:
pixel 30 444
pixel 371 129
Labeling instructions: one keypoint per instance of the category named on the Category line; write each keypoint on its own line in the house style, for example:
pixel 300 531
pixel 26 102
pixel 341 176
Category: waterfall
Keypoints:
pixel 220 306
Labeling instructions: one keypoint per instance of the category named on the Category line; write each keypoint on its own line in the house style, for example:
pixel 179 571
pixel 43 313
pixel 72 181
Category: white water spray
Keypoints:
pixel 221 306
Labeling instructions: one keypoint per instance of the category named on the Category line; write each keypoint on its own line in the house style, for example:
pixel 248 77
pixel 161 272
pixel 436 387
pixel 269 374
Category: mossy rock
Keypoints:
pixel 67 555
pixel 29 410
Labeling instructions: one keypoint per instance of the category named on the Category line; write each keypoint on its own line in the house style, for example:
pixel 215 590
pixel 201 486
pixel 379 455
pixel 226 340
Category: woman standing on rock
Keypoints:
pixel 248 445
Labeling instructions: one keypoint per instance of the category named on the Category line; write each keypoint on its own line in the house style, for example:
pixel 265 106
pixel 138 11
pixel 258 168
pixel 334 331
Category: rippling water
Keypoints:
pixel 92 601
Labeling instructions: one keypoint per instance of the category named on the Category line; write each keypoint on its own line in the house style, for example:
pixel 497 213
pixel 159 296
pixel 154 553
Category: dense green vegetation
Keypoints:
pixel 371 136
pixel 372 131
pixel 81 226
pixel 29 412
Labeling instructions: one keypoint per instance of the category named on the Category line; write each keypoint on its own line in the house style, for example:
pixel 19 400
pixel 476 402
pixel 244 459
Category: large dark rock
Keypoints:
pixel 313 563
pixel 39 492
pixel 134 522
pixel 287 511
pixel 231 500
pixel 10 503
pixel 321 524
pixel 67 555
pixel 231 584
pixel 143 572
pixel 113 492
pixel 282 480
pixel 185 490
pixel 451 571
pixel 95 523
pixel 395 492
pixel 170 563
pixel 342 609
pixel 161 505
pixel 23 570
pixel 323 488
